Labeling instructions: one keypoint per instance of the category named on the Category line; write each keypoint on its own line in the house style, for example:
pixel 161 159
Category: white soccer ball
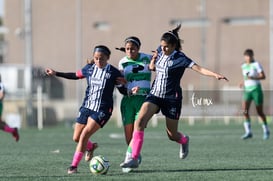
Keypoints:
pixel 99 165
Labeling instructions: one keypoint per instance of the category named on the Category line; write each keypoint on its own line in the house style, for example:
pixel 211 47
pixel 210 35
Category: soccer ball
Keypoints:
pixel 99 165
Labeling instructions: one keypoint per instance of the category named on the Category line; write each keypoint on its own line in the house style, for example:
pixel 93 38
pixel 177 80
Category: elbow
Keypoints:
pixel 263 77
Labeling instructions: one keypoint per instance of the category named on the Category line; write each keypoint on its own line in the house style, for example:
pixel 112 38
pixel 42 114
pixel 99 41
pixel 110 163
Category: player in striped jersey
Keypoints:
pixel 98 102
pixel 166 94
pixel 135 68
pixel 3 125
pixel 253 73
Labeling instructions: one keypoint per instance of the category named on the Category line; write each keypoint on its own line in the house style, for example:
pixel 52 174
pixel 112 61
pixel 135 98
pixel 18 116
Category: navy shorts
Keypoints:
pixel 101 117
pixel 171 108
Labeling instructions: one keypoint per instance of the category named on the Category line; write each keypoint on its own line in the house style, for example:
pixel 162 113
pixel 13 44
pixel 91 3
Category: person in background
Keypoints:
pixel 135 68
pixel 3 125
pixel 253 74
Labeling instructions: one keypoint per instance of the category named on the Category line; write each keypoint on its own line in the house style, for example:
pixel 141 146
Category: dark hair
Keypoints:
pixel 172 37
pixel 103 49
pixel 134 40
pixel 249 52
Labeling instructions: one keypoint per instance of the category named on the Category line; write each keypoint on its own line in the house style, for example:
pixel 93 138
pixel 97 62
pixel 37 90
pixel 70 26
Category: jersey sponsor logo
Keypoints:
pixel 96 81
pixel 137 68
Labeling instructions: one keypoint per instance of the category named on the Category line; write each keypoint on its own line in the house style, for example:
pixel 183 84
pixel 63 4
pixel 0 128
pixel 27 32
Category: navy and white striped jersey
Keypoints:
pixel 100 86
pixel 169 71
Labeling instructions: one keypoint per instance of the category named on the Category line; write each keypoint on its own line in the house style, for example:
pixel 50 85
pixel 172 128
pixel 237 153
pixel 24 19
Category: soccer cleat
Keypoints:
pixel 131 163
pixel 72 170
pixel 266 135
pixel 89 153
pixel 247 136
pixel 184 149
pixel 127 170
pixel 139 159
pixel 15 134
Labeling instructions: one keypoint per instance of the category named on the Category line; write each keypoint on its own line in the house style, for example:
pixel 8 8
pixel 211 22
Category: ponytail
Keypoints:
pixel 172 37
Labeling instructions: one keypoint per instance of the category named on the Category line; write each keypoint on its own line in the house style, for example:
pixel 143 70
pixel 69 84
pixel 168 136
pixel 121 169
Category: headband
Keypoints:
pixel 171 33
pixel 133 40
pixel 102 50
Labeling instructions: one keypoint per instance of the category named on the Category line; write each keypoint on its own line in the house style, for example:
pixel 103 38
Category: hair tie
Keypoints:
pixel 102 50
pixel 133 40
pixel 171 33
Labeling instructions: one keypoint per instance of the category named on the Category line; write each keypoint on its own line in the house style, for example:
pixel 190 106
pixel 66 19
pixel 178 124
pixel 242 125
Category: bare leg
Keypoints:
pixel 174 135
pixel 171 129
pixel 245 107
pixel 146 112
pixel 91 127
pixel 128 130
pixel 77 131
pixel 247 124
pixel 86 133
pixel 261 114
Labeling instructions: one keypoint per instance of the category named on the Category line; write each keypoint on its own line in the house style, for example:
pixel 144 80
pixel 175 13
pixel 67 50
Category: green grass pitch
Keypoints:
pixel 216 153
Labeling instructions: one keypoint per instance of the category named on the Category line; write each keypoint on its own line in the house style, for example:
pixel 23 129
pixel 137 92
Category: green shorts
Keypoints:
pixel 130 107
pixel 256 95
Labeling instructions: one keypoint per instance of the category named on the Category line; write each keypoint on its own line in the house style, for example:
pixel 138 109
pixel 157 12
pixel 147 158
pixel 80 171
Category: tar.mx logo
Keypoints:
pixel 200 101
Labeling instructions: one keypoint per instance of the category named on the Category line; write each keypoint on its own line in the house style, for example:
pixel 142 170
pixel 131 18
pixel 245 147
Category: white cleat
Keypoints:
pixel 184 149
pixel 131 163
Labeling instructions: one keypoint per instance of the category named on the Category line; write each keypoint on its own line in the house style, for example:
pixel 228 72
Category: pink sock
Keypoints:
pixel 8 129
pixel 89 145
pixel 138 138
pixel 76 159
pixel 183 139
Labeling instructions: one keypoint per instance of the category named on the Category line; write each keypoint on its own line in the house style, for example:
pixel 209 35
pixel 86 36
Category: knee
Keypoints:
pixel 245 113
pixel 260 113
pixel 171 137
pixel 76 139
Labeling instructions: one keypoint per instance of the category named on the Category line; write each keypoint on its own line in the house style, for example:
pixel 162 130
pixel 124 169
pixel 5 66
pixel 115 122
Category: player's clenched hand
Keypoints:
pixel 50 72
pixel 219 77
pixel 135 90
pixel 155 54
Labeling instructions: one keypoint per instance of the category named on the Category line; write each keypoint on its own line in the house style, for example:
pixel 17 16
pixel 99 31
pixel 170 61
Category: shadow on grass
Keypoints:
pixel 205 170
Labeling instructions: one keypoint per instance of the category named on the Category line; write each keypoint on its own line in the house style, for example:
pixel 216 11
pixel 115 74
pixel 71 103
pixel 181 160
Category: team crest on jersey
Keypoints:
pixel 170 63
pixel 107 75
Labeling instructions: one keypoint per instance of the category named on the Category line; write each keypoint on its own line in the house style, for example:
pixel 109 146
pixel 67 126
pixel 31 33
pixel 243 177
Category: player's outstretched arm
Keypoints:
pixel 69 75
pixel 207 72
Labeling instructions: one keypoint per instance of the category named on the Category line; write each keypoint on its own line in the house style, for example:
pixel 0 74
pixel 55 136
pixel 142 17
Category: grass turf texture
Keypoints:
pixel 216 153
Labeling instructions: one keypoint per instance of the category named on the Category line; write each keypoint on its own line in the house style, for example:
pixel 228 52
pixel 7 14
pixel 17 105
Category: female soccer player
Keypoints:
pixel 253 73
pixel 135 68
pixel 166 94
pixel 98 103
pixel 3 125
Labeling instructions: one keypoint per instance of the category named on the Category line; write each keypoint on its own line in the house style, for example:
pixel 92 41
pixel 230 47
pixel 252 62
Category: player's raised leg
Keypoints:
pixel 13 131
pixel 180 138
pixel 147 110
pixel 247 123
pixel 88 130
pixel 90 146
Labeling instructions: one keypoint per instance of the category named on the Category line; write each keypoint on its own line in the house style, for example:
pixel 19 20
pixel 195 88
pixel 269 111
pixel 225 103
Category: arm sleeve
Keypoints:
pixel 123 90
pixel 69 75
